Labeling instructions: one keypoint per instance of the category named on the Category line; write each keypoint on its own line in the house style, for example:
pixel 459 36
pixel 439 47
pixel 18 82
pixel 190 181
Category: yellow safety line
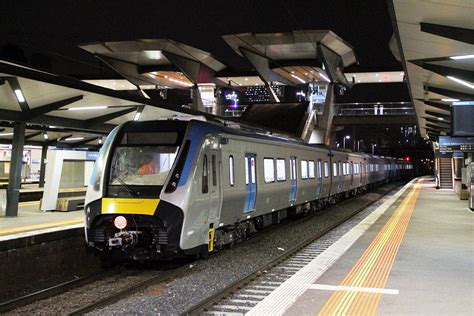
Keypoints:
pixel 14 230
pixel 374 266
pixel 29 203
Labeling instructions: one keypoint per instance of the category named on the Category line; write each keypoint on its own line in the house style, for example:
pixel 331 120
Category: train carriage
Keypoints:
pixel 163 189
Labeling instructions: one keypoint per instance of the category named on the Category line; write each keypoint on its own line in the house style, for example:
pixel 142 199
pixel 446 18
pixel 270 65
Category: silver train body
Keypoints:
pixel 212 186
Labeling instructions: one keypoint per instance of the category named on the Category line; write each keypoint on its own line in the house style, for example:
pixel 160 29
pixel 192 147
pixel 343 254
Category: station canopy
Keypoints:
pixel 148 62
pixel 436 42
pixel 66 112
pixel 297 56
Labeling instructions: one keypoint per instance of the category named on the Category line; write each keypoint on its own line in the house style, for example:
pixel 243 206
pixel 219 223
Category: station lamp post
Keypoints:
pixel 373 147
pixel 344 140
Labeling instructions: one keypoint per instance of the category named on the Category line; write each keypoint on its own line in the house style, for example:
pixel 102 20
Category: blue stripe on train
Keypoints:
pixel 195 134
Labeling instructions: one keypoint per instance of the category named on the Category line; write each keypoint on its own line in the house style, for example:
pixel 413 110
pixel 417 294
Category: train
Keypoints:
pixel 173 188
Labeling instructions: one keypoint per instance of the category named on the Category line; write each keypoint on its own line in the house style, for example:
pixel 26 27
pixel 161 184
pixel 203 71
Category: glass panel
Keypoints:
pixel 205 173
pixel 304 169
pixel 334 169
pixel 269 170
pixel 146 165
pixel 326 169
pixel 214 171
pixel 311 169
pixel 281 170
pixel 252 169
pixel 231 170
pixel 246 170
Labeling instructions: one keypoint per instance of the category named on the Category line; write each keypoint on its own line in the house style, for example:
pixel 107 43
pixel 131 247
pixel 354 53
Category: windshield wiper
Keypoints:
pixel 126 186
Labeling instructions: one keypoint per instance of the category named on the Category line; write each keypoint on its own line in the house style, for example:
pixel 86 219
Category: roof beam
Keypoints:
pixel 40 110
pixel 448 71
pixel 33 135
pixel 446 117
pixel 54 142
pixel 440 128
pixel 449 93
pixel 17 116
pixel 437 122
pixel 107 117
pixel 443 107
pixel 454 33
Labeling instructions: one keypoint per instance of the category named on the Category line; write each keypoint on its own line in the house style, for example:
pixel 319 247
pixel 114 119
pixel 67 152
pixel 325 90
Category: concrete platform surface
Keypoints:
pixel 31 221
pixel 416 257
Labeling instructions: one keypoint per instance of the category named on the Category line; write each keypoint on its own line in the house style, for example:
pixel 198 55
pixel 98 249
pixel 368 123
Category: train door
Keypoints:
pixel 215 185
pixel 320 177
pixel 250 182
pixel 293 183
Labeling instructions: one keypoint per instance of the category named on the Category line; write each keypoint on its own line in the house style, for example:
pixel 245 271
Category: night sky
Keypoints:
pixel 60 25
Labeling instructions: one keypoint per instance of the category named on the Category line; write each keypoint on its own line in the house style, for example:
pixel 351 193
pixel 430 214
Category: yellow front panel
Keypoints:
pixel 129 206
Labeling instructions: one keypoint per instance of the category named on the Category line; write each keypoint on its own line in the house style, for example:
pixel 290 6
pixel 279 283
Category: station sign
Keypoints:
pixel 458 144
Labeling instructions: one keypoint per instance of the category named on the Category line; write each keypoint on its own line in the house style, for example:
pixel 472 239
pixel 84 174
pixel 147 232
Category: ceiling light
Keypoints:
pixel 465 83
pixel 324 77
pixel 440 119
pixel 85 108
pixel 462 57
pixel 298 78
pixel 100 140
pixel 19 95
pixel 376 75
pixel 449 100
pixel 380 80
pixel 74 138
pixel 45 135
pixel 153 54
pixel 6 134
pixel 358 81
pixel 137 116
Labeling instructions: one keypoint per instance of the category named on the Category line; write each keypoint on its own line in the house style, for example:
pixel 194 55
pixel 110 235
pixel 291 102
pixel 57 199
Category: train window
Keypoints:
pixel 320 167
pixel 326 169
pixel 231 170
pixel 311 169
pixel 269 170
pixel 214 171
pixel 351 168
pixel 252 169
pixel 281 170
pixel 205 175
pixel 246 170
pixel 334 169
pixel 304 169
pixel 340 168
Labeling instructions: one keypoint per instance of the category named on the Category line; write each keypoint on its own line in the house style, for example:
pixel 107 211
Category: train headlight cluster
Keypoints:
pixel 120 222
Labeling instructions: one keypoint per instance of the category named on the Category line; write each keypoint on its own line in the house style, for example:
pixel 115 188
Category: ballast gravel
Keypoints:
pixel 207 277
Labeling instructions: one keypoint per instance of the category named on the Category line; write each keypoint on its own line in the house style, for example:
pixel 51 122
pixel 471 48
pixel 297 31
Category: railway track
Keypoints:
pixel 54 290
pixel 270 279
pixel 242 295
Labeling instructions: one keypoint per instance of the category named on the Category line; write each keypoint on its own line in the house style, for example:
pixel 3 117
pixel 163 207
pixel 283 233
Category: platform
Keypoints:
pixel 412 255
pixel 31 221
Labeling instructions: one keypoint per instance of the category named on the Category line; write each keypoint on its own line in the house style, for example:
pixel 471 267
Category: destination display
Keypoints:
pixel 452 144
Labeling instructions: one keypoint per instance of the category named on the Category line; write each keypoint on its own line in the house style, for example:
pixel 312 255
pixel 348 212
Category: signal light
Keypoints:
pixel 120 222
pixel 407 158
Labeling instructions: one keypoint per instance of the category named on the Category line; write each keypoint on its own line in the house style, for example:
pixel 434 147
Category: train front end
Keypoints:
pixel 125 217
